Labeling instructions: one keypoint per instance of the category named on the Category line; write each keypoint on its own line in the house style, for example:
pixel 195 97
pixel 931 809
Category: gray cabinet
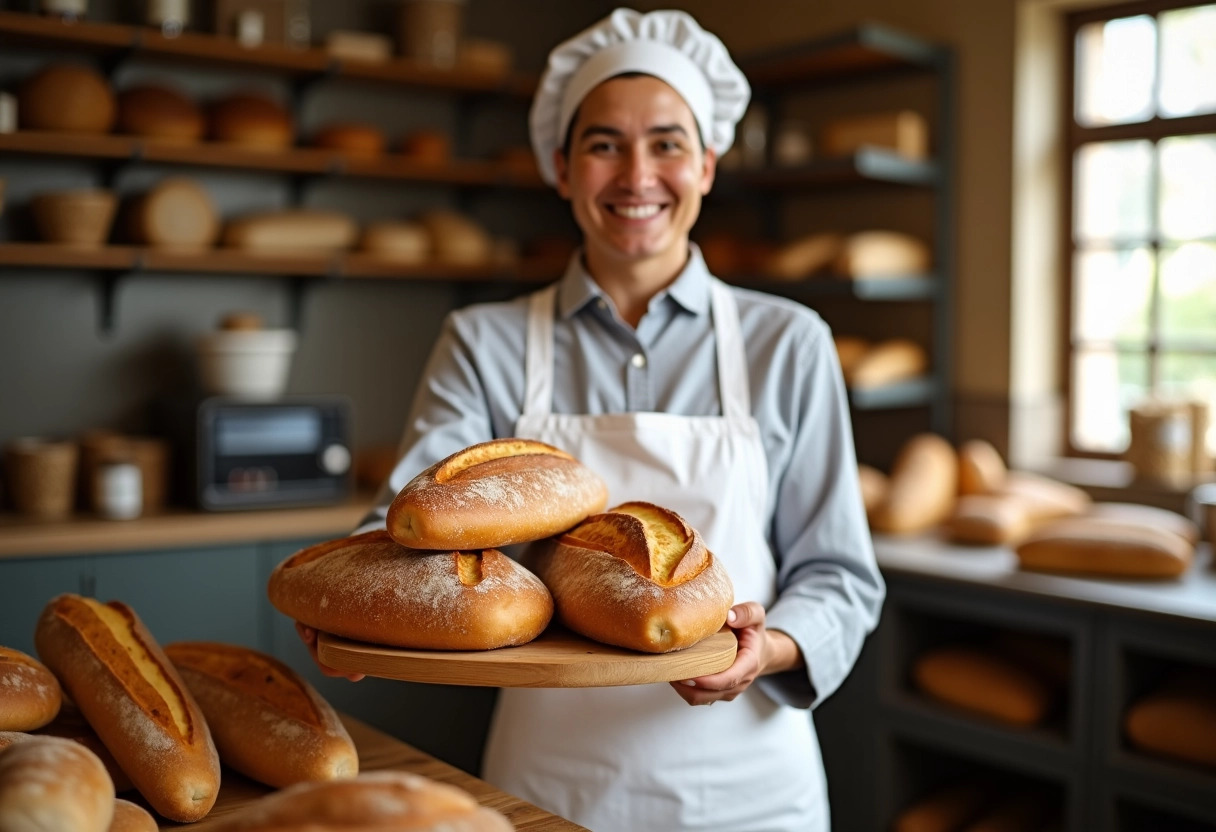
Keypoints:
pixel 25 587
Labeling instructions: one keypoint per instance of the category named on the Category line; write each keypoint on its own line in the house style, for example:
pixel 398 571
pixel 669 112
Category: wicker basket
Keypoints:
pixel 75 218
pixel 41 477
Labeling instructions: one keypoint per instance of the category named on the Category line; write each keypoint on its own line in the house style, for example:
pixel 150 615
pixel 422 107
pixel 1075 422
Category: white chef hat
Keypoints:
pixel 669 45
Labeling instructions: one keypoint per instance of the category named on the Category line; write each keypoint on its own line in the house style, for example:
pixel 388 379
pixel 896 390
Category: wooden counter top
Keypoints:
pixel 379 751
pixel 176 528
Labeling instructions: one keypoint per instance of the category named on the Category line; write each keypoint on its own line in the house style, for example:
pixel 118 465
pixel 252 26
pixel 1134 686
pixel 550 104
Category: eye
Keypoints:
pixel 669 146
pixel 602 147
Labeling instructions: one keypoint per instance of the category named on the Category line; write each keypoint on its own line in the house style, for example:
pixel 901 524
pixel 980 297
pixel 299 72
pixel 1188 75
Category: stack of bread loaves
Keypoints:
pixel 435 579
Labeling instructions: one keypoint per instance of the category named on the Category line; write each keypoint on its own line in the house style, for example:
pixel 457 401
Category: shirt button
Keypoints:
pixel 638 360
pixel 601 303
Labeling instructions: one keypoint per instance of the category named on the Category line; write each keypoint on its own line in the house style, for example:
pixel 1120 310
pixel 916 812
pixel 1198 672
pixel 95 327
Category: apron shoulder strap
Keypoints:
pixel 733 384
pixel 538 353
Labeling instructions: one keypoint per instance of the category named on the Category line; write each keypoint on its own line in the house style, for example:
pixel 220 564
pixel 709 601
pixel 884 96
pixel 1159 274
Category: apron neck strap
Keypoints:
pixel 733 387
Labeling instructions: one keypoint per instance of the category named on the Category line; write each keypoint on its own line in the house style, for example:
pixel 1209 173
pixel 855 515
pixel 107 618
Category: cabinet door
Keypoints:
pixel 25 588
pixel 190 594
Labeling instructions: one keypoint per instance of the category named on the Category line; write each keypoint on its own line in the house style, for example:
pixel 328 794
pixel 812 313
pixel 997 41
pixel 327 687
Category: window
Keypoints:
pixel 1142 241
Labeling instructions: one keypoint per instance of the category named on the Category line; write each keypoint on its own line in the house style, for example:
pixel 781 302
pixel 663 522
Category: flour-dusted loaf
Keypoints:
pixel 637 576
pixel 128 817
pixel 49 784
pixel 371 588
pixel 267 722
pixel 380 800
pixel 135 700
pixel 29 693
pixel 495 494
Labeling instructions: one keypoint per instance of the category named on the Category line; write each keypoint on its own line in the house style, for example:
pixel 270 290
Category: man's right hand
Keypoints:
pixel 309 636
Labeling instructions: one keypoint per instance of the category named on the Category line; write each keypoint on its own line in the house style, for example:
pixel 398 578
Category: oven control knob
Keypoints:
pixel 335 459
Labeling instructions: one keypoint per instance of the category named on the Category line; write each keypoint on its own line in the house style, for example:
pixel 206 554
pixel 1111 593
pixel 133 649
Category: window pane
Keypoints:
pixel 1188 294
pixel 1188 61
pixel 1116 61
pixel 1112 190
pixel 1192 377
pixel 1113 290
pixel 1106 385
pixel 1188 186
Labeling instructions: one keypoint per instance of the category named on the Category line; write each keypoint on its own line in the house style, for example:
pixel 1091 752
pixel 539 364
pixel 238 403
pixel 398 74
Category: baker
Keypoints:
pixel 723 404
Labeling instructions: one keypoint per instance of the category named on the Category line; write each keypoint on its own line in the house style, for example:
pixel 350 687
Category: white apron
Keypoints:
pixel 639 759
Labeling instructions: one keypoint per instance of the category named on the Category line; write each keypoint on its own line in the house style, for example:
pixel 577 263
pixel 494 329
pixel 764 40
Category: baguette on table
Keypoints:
pixel 135 700
pixel 267 722
pixel 495 494
pixel 637 576
pixel 49 784
pixel 29 693
pixel 371 588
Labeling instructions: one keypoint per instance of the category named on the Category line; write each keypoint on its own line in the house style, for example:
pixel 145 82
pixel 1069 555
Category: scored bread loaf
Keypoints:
pixel 983 683
pixel 70 724
pixel 129 817
pixel 637 576
pixel 1100 546
pixel 922 488
pixel 267 722
pixel 29 693
pixel 135 700
pixel 370 588
pixel 379 800
pixel 495 494
pixel 48 784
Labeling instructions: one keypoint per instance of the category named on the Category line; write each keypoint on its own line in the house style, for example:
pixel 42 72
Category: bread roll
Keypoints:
pixel 988 520
pixel 1097 546
pixel 639 577
pixel 348 45
pixel 29 693
pixel 803 257
pixel 137 703
pixel 369 588
pixel 364 141
pixel 8 738
pixel 945 809
pixel 1044 498
pixel 252 121
pixel 177 214
pixel 888 362
pixel 68 98
pixel 292 232
pixel 267 722
pixel 70 724
pixel 922 487
pixel 1139 515
pixel 48 784
pixel 407 243
pixel 131 818
pixel 881 254
pixel 427 146
pixel 980 468
pixel 1178 719
pixel 161 113
pixel 495 494
pixel 379 800
pixel 984 683
pixel 456 240
pixel 850 350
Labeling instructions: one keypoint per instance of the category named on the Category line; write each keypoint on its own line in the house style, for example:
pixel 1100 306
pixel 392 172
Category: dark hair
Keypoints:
pixel 574 117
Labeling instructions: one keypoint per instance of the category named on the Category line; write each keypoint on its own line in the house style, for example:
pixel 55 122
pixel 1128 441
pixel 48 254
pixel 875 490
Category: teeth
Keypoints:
pixel 636 212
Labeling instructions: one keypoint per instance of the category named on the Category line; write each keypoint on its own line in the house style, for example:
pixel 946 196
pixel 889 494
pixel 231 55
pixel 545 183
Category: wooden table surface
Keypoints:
pixel 379 751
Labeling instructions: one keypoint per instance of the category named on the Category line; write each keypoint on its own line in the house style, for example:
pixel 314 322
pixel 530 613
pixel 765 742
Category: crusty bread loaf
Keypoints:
pixel 176 213
pixel 29 693
pixel 8 738
pixel 129 817
pixel 945 809
pixel 888 362
pixel 457 240
pixel 267 722
pixel 379 800
pixel 48 784
pixel 67 97
pixel 988 520
pixel 1098 546
pixel 1044 498
pixel 881 254
pixel 984 683
pixel 71 725
pixel 402 242
pixel 135 700
pixel 293 231
pixel 922 487
pixel 429 147
pixel 1140 515
pixel 637 576
pixel 365 141
pixel 1178 719
pixel 804 256
pixel 495 494
pixel 370 588
pixel 980 468
pixel 159 112
pixel 251 120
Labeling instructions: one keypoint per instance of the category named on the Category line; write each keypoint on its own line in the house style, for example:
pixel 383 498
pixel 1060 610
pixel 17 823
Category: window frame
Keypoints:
pixel 1076 135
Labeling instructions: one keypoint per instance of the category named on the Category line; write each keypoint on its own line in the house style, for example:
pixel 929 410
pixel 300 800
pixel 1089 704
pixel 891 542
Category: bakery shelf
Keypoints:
pixel 868 166
pixel 867 49
pixel 893 288
pixel 912 393
pixel 1183 788
pixel 115 40
pixel 302 160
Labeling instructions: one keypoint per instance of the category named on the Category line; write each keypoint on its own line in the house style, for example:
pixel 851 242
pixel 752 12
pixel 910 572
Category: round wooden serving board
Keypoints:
pixel 556 659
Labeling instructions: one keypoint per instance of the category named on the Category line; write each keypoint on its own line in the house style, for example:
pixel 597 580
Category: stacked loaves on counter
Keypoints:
pixel 636 576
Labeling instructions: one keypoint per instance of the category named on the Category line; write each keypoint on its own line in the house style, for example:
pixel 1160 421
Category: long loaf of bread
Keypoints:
pixel 370 588
pixel 48 784
pixel 637 576
pixel 267 722
pixel 29 693
pixel 495 494
pixel 135 700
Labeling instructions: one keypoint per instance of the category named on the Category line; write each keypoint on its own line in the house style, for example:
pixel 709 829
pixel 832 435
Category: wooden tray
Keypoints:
pixel 556 659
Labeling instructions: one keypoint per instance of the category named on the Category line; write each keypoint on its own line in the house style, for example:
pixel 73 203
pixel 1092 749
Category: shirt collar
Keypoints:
pixel 690 289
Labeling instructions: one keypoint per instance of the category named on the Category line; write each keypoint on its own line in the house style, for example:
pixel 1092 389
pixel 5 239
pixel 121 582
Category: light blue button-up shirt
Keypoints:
pixel 829 588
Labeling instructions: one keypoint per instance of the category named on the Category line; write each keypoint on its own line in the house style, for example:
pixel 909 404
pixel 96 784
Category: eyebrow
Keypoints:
pixel 603 130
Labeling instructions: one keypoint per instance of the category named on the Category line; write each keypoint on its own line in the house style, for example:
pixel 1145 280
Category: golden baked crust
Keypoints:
pixel 267 722
pixel 371 588
pixel 52 783
pixel 129 817
pixel 639 577
pixel 495 494
pixel 983 683
pixel 1101 546
pixel 29 693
